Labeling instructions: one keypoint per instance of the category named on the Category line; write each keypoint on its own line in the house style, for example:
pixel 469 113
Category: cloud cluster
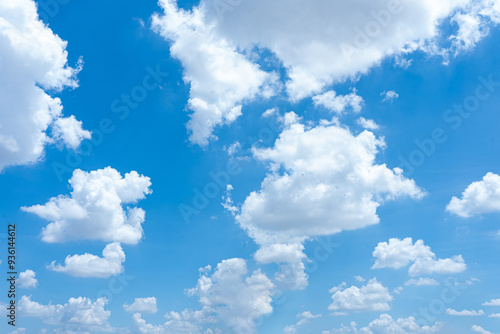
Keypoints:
pixel 34 62
pixel 480 197
pixel 77 315
pixel 95 208
pixel 399 253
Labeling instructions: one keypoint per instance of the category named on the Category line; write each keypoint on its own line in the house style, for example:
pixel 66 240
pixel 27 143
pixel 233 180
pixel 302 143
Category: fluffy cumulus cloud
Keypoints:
pixel 95 208
pixel 77 315
pixel 367 123
pixel 322 180
pixel 27 279
pixel 478 198
pixel 371 297
pixel 34 61
pixel 399 253
pixel 88 265
pixel 220 77
pixel 385 324
pixel 464 313
pixel 142 305
pixel 339 103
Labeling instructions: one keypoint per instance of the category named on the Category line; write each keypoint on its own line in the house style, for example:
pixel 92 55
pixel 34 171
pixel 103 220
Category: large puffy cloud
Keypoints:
pixel 322 180
pixel 88 265
pixel 480 197
pixel 371 297
pixel 33 61
pixel 77 315
pixel 94 210
pixel 400 253
pixel 385 324
pixel 327 42
pixel 142 305
pixel 221 78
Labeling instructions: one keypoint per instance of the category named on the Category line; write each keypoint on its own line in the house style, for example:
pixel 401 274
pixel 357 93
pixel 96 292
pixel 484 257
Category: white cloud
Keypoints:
pixel 220 78
pixel 422 281
pixel 480 197
pixel 427 266
pixel 389 96
pixel 494 315
pixel 34 62
pixel 304 318
pixel 88 265
pixel 236 299
pixel 27 279
pixel 220 45
pixel 78 314
pixel 329 183
pixel 183 322
pixel 334 41
pixel 94 210
pixel 493 302
pixel 338 103
pixel 371 297
pixel 479 329
pixel 142 305
pixel 359 278
pixel 400 253
pixel 385 324
pixel 464 313
pixel 367 123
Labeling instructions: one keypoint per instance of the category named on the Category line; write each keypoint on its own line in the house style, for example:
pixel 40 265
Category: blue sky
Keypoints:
pixel 307 227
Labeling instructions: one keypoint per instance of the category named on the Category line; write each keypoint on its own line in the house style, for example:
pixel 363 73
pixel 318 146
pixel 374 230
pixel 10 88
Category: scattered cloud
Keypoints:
pixel 304 318
pixel 479 329
pixel 142 305
pixel 387 325
pixel 400 253
pixel 339 103
pixel 464 313
pixel 88 265
pixel 493 302
pixel 94 209
pixel 27 279
pixel 367 123
pixel 371 297
pixel 389 96
pixel 480 197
